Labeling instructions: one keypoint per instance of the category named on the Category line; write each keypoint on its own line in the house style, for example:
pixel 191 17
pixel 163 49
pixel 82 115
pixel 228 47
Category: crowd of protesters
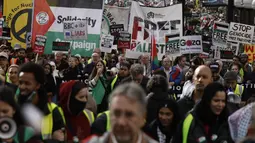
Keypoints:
pixel 108 98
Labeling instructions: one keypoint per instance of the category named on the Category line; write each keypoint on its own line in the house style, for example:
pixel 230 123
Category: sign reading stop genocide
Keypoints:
pixel 241 33
pixel 191 44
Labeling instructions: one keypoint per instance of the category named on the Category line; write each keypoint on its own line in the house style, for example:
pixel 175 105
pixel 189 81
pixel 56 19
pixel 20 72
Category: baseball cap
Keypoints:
pixel 230 75
pixel 3 54
pixel 215 67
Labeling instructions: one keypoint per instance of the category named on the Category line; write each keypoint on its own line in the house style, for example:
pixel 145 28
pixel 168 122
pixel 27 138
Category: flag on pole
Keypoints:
pixel 154 54
pixel 43 18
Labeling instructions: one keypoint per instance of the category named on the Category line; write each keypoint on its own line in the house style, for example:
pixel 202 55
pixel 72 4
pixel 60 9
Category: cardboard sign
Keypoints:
pixel 40 42
pixel 241 33
pixel 220 32
pixel 77 30
pixel 191 44
pixel 124 40
pixel 107 43
pixel 60 46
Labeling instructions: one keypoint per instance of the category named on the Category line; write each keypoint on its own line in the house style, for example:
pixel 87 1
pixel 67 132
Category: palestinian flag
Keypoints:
pixel 154 54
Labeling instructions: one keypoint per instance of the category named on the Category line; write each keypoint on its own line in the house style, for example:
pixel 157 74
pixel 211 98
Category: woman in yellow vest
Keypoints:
pixel 73 99
pixel 208 121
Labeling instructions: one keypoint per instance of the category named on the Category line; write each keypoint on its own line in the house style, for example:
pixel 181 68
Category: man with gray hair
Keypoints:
pixel 145 62
pixel 136 75
pixel 127 115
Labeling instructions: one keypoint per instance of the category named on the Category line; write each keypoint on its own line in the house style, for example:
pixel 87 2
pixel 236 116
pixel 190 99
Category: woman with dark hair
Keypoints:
pixel 50 84
pixel 98 82
pixel 164 126
pixel 158 93
pixel 10 109
pixel 208 121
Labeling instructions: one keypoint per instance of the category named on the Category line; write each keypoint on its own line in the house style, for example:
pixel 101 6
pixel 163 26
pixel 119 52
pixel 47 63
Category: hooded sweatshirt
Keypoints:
pixel 159 132
pixel 77 124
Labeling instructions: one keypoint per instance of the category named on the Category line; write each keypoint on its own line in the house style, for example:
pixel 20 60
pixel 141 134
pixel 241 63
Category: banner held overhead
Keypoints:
pixel 18 15
pixel 76 10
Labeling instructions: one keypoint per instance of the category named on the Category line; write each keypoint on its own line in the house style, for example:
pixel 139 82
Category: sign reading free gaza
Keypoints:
pixel 65 14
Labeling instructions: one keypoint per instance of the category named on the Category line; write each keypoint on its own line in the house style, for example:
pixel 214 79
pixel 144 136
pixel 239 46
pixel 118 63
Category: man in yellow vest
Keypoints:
pixel 31 91
pixel 230 80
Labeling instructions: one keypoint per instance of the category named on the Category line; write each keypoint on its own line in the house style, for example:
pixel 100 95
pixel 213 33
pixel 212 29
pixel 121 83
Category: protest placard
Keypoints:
pixel 77 30
pixel 241 33
pixel 40 42
pixel 124 40
pixel 250 51
pixel 191 44
pixel 220 32
pixel 172 44
pixel 60 46
pixel 106 43
pixel 115 31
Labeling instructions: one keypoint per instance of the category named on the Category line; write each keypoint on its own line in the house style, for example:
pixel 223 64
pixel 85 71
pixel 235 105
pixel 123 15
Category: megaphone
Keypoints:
pixel 8 128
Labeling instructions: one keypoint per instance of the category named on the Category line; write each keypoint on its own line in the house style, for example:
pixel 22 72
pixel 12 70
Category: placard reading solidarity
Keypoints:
pixel 241 33
pixel 191 44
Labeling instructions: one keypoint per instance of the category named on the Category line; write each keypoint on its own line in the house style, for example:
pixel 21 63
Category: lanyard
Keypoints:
pixel 138 141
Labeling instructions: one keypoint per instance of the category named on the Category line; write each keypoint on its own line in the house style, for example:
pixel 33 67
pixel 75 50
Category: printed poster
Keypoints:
pixel 191 44
pixel 220 33
pixel 107 43
pixel 18 15
pixel 113 15
pixel 76 10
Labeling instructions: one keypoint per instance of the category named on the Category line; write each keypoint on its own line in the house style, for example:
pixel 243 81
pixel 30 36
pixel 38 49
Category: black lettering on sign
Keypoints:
pixel 19 34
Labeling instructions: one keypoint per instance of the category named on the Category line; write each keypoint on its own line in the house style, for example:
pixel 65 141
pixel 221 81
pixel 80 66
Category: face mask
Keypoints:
pixel 76 106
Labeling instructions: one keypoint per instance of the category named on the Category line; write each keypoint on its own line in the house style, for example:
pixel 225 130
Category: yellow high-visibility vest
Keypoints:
pixel 113 82
pixel 185 128
pixel 47 123
pixel 239 90
pixel 108 124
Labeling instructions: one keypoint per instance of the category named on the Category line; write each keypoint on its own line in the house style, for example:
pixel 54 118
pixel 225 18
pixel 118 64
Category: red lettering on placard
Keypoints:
pixel 248 48
pixel 136 27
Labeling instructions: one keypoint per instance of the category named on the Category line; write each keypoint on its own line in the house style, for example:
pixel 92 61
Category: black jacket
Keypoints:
pixel 71 73
pixel 185 105
pixel 220 132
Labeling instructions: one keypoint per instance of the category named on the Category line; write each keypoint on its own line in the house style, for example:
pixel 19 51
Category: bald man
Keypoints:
pixel 201 78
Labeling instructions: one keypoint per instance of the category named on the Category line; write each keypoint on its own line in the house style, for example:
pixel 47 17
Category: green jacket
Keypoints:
pixel 23 134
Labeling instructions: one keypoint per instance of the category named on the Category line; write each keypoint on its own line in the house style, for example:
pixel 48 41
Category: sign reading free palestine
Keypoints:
pixel 69 14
